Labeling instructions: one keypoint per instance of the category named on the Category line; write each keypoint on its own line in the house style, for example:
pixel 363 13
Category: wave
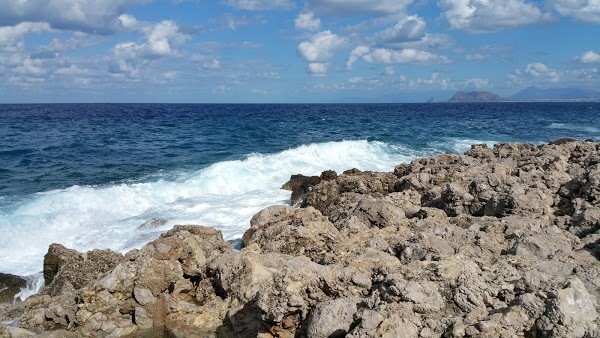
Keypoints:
pixel 573 127
pixel 224 195
pixel 457 145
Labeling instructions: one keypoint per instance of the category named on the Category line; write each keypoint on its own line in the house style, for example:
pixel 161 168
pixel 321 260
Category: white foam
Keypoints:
pixel 224 195
pixel 574 127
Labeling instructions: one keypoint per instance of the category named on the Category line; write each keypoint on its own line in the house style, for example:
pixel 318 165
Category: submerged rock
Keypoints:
pixel 497 242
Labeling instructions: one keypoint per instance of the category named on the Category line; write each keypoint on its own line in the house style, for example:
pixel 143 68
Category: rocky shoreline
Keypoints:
pixel 497 242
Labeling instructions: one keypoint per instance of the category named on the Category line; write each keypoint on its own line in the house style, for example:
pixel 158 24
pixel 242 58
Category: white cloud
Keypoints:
pixel 481 16
pixel 71 70
pixel 11 37
pixel 31 67
pixel 129 22
pixel 534 72
pixel 477 57
pixel 583 10
pixel 260 5
pixel 428 41
pixel 317 68
pixel 433 81
pixel 589 57
pixel 234 22
pixel 82 15
pixel 351 7
pixel 411 28
pixel 321 47
pixel 165 36
pixel 404 56
pixel 356 54
pixel 478 83
pixel 213 64
pixel 163 39
pixel 306 21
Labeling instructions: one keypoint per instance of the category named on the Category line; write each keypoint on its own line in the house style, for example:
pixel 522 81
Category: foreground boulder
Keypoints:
pixel 498 242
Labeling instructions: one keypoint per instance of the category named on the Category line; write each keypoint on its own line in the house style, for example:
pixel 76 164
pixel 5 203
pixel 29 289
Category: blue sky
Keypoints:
pixel 291 50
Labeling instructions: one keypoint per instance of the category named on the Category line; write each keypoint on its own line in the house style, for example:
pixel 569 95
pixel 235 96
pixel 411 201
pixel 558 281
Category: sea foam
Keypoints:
pixel 224 195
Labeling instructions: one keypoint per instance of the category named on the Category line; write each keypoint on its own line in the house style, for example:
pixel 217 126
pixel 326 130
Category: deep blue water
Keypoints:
pixel 88 175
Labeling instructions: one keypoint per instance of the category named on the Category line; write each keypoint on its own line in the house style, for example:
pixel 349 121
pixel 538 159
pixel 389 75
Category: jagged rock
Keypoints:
pixel 75 269
pixel 10 285
pixel 299 232
pixel 56 257
pixel 299 185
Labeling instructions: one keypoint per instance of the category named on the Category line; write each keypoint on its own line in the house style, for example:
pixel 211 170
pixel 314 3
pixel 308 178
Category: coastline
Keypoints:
pixel 496 242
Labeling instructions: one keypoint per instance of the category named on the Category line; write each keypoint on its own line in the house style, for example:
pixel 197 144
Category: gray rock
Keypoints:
pixel 333 318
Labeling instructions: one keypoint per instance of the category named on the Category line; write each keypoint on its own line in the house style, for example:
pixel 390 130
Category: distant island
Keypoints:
pixel 529 94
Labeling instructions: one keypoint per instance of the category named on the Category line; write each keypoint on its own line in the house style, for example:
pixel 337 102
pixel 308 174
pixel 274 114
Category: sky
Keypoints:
pixel 292 51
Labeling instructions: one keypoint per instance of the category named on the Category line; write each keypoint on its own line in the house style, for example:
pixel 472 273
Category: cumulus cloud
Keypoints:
pixel 534 72
pixel 356 54
pixel 260 5
pixel 583 10
pixel 351 7
pixel 321 47
pixel 589 57
pixel 162 39
pixel 478 83
pixel 410 28
pixel 31 67
pixel 306 21
pixel 213 64
pixel 403 56
pixel 317 68
pixel 11 37
pixel 79 15
pixel 482 16
pixel 433 81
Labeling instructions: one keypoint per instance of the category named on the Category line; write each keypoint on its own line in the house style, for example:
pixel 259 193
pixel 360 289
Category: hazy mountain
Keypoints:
pixel 475 97
pixel 533 93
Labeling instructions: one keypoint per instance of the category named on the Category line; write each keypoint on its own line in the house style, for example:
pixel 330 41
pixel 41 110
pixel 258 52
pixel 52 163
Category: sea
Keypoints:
pixel 115 176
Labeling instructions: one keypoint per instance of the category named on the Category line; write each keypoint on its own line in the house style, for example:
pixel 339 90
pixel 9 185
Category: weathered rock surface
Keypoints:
pixel 498 242
pixel 299 184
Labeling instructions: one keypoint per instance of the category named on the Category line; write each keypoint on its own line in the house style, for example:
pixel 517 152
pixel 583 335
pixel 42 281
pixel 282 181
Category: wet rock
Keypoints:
pixel 73 269
pixel 299 186
pixel 153 223
pixel 10 285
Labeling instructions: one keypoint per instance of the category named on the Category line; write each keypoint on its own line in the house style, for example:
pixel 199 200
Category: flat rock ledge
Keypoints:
pixel 497 242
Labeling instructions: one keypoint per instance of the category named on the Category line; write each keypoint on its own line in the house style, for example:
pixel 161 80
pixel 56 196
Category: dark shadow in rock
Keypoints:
pixel 246 322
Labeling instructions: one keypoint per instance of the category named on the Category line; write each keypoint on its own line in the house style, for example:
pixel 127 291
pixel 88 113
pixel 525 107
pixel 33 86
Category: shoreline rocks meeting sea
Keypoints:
pixel 496 242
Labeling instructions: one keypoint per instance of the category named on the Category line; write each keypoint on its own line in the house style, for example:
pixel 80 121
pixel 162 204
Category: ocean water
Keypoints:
pixel 93 175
